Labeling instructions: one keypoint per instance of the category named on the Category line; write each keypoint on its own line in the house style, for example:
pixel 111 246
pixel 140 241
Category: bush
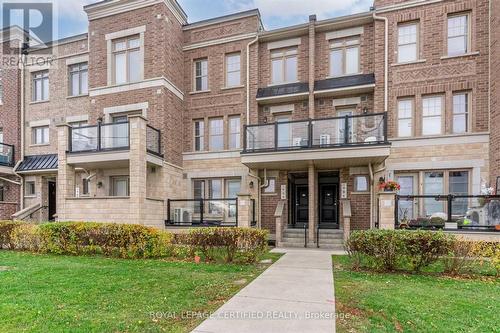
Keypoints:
pixel 463 253
pixel 246 242
pixel 422 248
pixel 27 237
pixel 6 229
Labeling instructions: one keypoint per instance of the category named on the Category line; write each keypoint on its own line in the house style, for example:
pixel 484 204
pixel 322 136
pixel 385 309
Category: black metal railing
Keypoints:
pixel 153 140
pixel 6 154
pixel 346 131
pixel 253 218
pixel 470 212
pixel 202 212
pixel 306 227
pixel 101 137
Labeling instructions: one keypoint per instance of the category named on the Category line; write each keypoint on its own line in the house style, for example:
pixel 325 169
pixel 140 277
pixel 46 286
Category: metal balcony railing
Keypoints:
pixel 336 132
pixel 202 212
pixel 6 154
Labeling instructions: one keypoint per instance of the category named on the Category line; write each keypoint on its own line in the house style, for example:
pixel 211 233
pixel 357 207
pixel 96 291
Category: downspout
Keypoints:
pixel 22 102
pixel 372 189
pixel 248 77
pixel 386 58
pixel 10 181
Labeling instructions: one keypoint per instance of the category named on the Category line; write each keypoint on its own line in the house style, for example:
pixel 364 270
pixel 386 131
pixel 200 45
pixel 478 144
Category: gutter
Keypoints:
pixel 248 77
pixel 386 57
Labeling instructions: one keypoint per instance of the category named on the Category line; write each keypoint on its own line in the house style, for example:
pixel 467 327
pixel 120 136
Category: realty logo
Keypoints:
pixel 27 25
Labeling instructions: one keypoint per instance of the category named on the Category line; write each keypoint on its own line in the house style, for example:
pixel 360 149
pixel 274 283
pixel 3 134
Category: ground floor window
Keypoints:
pixel 30 188
pixel 215 189
pixel 120 186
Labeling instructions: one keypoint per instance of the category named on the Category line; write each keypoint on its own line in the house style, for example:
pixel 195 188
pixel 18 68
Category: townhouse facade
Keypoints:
pixel 150 119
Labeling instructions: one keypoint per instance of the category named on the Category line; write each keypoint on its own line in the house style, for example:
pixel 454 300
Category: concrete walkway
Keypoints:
pixel 295 294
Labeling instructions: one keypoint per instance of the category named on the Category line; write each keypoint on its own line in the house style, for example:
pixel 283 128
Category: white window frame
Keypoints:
pixel 78 69
pixel 30 185
pixel 467 36
pixel 127 52
pixel 235 70
pixel 42 77
pixel 427 117
pixel 271 185
pixel 284 55
pixel 406 118
pixel 45 135
pixel 356 184
pixel 465 114
pixel 234 132
pixel 343 45
pixel 212 135
pixel 112 186
pixel 203 76
pixel 200 135
pixel 416 42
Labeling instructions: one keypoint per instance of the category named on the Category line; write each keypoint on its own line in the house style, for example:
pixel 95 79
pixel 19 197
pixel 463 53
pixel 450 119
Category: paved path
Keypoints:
pixel 284 298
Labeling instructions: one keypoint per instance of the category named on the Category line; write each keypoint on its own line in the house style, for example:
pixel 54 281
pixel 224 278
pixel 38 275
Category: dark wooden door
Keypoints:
pixel 328 206
pixel 301 205
pixel 52 200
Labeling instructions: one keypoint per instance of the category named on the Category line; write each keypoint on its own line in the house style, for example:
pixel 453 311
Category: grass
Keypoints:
pixel 49 293
pixel 399 302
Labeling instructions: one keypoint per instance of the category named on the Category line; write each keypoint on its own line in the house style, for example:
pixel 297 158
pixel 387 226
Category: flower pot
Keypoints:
pixel 197 259
pixel 451 225
pixel 497 227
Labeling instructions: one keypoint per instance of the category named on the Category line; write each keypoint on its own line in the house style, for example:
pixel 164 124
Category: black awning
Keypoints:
pixel 345 81
pixel 38 162
pixel 284 89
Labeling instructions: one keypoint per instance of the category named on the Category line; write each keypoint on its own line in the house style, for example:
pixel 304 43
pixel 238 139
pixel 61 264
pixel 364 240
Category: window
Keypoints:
pixel 127 60
pixel 459 185
pixel 1 135
pixel 2 190
pixel 405 115
pixel 458 34
pixel 29 188
pixel 233 70
pixel 361 184
pixel 198 189
pixel 271 187
pixel 40 135
pixel 76 124
pixel 40 86
pixel 216 134
pixel 85 186
pixel 199 135
pixel 407 42
pixel 284 66
pixel 234 132
pixel 233 188
pixel 78 79
pixel 344 57
pixel 460 122
pixel 432 111
pixel 201 75
pixel 215 192
pixel 433 185
pixel 120 186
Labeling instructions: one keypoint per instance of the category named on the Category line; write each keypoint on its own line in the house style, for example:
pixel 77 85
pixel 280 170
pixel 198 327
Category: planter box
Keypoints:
pixel 450 225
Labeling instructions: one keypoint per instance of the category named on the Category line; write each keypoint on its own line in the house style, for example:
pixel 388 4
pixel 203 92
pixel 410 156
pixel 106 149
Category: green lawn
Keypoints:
pixel 48 293
pixel 378 302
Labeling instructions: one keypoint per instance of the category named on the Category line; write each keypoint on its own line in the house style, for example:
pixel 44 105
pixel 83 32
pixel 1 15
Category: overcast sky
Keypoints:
pixel 275 13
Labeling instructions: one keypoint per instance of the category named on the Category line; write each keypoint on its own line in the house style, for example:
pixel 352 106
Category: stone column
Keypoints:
pixel 312 66
pixel 346 217
pixel 137 168
pixel 244 210
pixel 65 172
pixel 386 210
pixel 312 181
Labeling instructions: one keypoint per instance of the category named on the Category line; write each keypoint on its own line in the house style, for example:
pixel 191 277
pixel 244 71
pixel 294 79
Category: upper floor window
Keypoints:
pixel 76 124
pixel 127 60
pixel 40 85
pixel 234 132
pixel 458 34
pixel 201 75
pixel 216 134
pixel 284 66
pixel 405 115
pixel 460 122
pixel 40 135
pixel 432 115
pixel 233 70
pixel 78 79
pixel 407 42
pixel 199 135
pixel 344 57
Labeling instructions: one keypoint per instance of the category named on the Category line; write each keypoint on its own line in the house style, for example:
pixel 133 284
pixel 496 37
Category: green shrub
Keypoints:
pixel 422 248
pixel 27 237
pixel 6 228
pixel 247 243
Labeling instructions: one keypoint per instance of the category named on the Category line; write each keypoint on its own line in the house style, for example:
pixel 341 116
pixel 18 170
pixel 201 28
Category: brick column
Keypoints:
pixel 386 210
pixel 137 168
pixel 65 172
pixel 312 202
pixel 244 207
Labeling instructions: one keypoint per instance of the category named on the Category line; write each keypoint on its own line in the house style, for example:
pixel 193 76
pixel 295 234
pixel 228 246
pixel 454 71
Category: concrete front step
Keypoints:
pixel 335 247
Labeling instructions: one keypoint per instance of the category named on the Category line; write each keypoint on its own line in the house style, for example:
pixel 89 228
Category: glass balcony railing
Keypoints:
pixel 349 130
pixel 6 154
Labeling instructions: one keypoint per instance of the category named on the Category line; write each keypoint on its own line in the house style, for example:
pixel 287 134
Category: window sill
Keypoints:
pixel 361 193
pixel 419 61
pixel 469 54
pixel 77 96
pixel 39 144
pixel 344 75
pixel 30 196
pixel 234 87
pixel 269 194
pixel 282 83
pixel 39 102
pixel 199 92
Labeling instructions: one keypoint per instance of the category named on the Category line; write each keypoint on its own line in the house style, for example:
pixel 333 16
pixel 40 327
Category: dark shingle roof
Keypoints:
pixel 38 162
pixel 345 81
pixel 284 89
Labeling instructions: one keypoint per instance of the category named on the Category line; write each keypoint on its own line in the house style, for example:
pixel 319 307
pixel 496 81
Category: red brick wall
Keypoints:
pixel 495 94
pixel 269 203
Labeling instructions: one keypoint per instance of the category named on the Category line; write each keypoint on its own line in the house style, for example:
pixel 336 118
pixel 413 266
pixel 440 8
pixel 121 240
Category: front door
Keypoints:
pixel 408 208
pixel 328 206
pixel 52 200
pixel 301 206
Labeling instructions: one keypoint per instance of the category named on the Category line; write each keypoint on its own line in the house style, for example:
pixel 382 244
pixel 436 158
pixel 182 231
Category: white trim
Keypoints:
pixel 127 108
pixel 39 123
pixel 36 172
pixel 282 96
pixel 210 155
pixel 282 108
pixel 346 101
pixel 219 41
pixel 440 140
pixel 113 7
pixel 405 5
pixel 125 33
pixel 74 119
pixel 354 31
pixel 468 54
pixel 77 60
pixel 38 68
pixel 372 85
pixel 284 43
pixel 218 20
pixel 148 83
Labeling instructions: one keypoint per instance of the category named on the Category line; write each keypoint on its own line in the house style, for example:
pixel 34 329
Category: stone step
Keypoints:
pixel 334 247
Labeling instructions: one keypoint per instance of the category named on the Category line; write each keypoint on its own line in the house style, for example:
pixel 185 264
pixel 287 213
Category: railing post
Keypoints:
pixel 236 211
pixel 310 134
pixel 70 139
pixel 245 138
pixel 276 136
pixel 385 128
pixel 202 208
pixel 317 236
pixel 305 235
pixel 99 135
pixel 346 130
pixel 450 202
pixel 396 211
pixel 169 220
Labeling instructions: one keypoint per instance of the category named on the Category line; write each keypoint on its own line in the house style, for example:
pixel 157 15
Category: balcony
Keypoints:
pixel 348 140
pixel 6 155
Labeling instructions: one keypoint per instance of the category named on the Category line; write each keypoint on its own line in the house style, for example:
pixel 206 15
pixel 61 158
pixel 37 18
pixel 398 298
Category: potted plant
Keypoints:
pixel 389 186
